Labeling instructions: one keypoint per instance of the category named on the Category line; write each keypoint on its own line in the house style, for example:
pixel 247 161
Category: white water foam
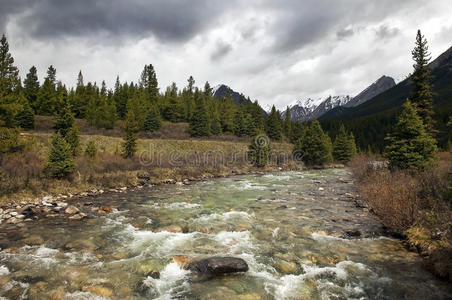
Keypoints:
pixel 171 276
pixel 227 216
pixel 4 271
pixel 82 296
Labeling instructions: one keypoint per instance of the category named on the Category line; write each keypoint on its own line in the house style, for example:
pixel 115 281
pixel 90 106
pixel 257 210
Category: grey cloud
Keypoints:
pixel 221 49
pixel 344 33
pixel 385 32
pixel 168 20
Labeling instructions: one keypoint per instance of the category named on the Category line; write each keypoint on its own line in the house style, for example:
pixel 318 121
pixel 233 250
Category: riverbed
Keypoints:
pixel 301 234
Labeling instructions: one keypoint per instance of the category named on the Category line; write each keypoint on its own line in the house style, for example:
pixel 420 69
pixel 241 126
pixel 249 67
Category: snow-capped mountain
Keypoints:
pixel 309 109
pixel 314 108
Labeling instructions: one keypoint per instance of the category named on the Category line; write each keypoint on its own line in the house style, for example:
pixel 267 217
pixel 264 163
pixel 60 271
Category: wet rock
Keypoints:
pixel 252 296
pixel 321 189
pixel 34 240
pixel 13 220
pixel 99 291
pixel 282 207
pixel 287 267
pixel 352 234
pixel 106 208
pixel 57 294
pixel 70 210
pixel 215 266
pixel 77 216
pixel 171 228
pixel 182 261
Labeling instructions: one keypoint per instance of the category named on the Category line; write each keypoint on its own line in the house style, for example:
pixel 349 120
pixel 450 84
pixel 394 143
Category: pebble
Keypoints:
pixel 70 210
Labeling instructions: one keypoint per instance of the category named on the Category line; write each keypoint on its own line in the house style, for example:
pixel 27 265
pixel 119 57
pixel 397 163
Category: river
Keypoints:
pixel 300 233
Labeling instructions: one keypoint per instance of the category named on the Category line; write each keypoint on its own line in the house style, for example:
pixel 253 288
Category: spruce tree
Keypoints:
pixel 409 145
pixel 25 118
pixel 153 120
pixel 298 131
pixel 65 123
pixel 9 101
pixel 47 96
pixel 248 125
pixel 200 124
pixel 273 125
pixel 422 95
pixel 239 124
pixel 344 147
pixel 315 147
pixel 174 111
pixel 132 126
pixel 31 87
pixel 215 124
pixel 259 151
pixel 60 162
pixel 150 84
pixel 287 123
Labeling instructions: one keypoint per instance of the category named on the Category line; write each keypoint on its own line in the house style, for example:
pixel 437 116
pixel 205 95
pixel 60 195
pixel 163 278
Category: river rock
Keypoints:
pixel 34 240
pixel 171 228
pixel 215 266
pixel 99 291
pixel 71 209
pixel 287 267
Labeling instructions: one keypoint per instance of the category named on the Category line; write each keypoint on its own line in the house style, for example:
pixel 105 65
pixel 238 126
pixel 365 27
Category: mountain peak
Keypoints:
pixel 382 84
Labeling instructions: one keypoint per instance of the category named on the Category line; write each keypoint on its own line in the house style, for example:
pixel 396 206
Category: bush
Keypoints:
pixel 9 140
pixel 91 150
pixel 259 151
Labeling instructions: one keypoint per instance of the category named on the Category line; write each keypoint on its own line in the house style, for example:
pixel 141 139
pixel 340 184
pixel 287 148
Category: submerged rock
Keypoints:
pixel 70 210
pixel 215 266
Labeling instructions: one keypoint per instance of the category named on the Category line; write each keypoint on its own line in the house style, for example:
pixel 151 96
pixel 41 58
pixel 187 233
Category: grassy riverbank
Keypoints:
pixel 157 161
pixel 415 206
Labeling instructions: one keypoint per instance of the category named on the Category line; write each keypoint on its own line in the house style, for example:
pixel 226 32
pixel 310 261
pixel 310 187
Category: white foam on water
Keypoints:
pixel 275 232
pixel 82 296
pixel 171 276
pixel 289 286
pixel 179 205
pixel 236 241
pixel 278 177
pixel 227 216
pixel 4 270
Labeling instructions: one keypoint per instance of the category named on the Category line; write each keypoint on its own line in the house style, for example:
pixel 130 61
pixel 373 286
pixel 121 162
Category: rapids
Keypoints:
pixel 290 227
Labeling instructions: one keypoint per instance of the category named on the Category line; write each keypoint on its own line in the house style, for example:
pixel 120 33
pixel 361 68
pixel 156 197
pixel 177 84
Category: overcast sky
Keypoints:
pixel 273 51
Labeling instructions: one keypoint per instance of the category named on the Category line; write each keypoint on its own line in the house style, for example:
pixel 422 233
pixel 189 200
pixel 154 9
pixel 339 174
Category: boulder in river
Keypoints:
pixel 70 210
pixel 215 266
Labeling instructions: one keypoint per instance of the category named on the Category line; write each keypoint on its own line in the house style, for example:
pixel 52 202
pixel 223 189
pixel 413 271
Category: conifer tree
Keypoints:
pixel 91 150
pixel 258 118
pixel 174 111
pixel 259 151
pixel 25 118
pixel 239 124
pixel 215 124
pixel 315 147
pixel 422 95
pixel 249 125
pixel 60 162
pixel 132 126
pixel 9 104
pixel 199 124
pixel 153 120
pixel 344 147
pixel 298 131
pixel 409 145
pixel 150 84
pixel 65 123
pixel 47 96
pixel 287 123
pixel 31 87
pixel 273 125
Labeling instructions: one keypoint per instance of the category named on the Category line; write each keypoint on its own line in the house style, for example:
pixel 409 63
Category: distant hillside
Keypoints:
pixel 379 113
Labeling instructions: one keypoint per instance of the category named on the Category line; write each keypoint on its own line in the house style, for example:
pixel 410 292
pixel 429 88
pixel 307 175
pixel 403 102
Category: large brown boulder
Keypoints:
pixel 215 266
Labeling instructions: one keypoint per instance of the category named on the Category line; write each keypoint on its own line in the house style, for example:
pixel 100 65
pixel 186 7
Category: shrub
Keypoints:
pixel 259 151
pixel 90 149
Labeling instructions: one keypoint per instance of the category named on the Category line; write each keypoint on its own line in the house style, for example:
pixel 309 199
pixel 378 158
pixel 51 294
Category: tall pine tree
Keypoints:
pixel 422 94
pixel 273 125
pixel 31 87
pixel 200 124
pixel 287 123
pixel 344 147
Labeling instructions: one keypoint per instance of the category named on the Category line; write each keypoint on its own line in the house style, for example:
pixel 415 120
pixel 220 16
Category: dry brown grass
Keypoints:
pixel 414 204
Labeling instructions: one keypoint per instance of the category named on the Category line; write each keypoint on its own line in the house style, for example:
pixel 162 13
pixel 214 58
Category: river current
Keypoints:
pixel 300 233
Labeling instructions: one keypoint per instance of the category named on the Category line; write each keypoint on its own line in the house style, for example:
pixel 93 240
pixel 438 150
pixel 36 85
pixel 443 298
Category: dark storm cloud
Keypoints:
pixel 301 23
pixel 168 20
pixel 221 49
